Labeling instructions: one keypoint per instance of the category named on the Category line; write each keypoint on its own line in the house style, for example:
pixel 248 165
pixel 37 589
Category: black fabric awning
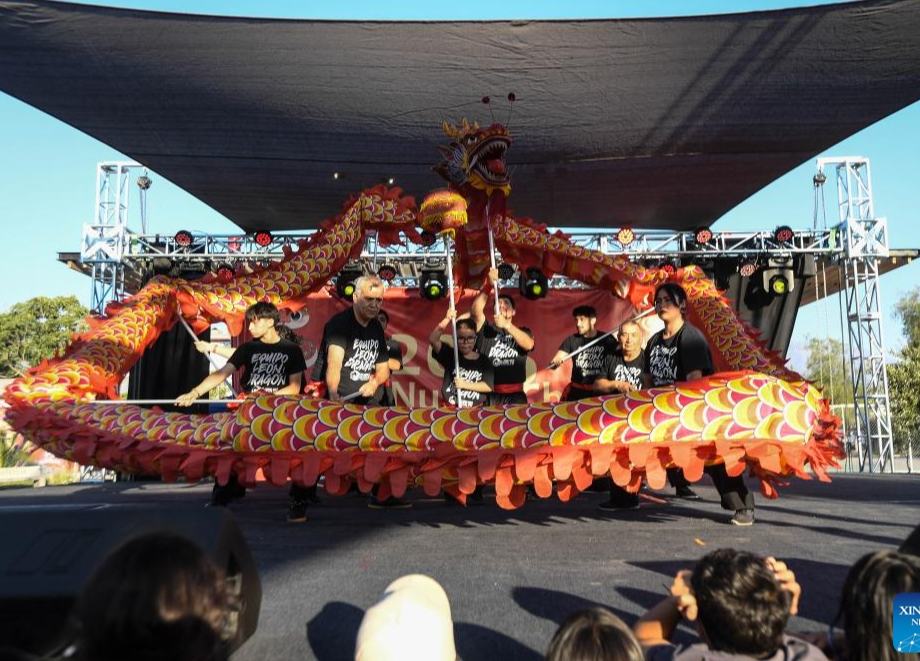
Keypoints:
pixel 656 123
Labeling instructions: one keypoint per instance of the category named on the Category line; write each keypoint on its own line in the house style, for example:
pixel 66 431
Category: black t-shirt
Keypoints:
pixel 365 347
pixel 508 358
pixel 384 394
pixel 617 368
pixel 589 364
pixel 670 360
pixel 267 366
pixel 478 371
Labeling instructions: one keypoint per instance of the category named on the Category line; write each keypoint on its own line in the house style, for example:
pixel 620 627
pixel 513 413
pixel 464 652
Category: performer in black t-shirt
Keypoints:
pixel 356 349
pixel 680 352
pixel 623 371
pixel 269 364
pixel 384 394
pixel 504 344
pixel 476 378
pixel 589 363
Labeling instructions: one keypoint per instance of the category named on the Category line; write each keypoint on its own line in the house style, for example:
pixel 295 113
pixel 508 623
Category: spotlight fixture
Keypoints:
pixel 625 236
pixel 391 181
pixel 534 284
pixel 755 297
pixel 184 238
pixel 263 238
pixel 433 285
pixel 144 182
pixel 779 285
pixel 819 179
pixel 783 234
pixel 336 175
pixel 345 283
pixel 224 273
pixel 505 271
pixel 387 272
pixel 702 236
pixel 747 267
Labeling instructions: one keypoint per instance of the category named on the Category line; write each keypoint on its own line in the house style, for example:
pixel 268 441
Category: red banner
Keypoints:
pixel 412 319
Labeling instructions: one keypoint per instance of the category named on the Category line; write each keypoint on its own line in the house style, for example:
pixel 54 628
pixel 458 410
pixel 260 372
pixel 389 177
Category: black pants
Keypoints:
pixel 732 490
pixel 223 494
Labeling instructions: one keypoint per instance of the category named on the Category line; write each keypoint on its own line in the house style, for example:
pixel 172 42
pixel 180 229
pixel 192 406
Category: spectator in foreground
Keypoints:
pixel 866 607
pixel 411 622
pixel 594 634
pixel 740 604
pixel 156 598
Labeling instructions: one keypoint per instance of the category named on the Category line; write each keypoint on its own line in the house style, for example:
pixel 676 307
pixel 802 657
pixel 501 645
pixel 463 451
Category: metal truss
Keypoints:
pixel 104 241
pixel 144 254
pixel 865 241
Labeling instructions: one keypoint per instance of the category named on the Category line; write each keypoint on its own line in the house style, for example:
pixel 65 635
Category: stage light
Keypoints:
pixel 387 272
pixel 747 268
pixel 755 297
pixel 505 271
pixel 263 238
pixel 336 175
pixel 144 182
pixel 184 238
pixel 433 285
pixel 669 266
pixel 783 234
pixel 702 236
pixel 224 273
pixel 391 181
pixel 625 236
pixel 345 283
pixel 534 284
pixel 779 285
pixel 819 179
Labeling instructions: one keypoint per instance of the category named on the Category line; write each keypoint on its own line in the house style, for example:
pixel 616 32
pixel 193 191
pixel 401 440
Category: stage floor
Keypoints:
pixel 512 577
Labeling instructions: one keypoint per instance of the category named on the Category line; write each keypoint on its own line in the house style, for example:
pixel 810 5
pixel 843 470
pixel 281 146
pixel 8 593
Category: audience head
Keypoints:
pixel 383 318
pixel 866 603
pixel 585 319
pixel 411 622
pixel 594 634
pixel 742 609
pixel 368 297
pixel 157 597
pixel 670 298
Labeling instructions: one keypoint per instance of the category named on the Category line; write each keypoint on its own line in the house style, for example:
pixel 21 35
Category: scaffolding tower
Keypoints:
pixel 865 241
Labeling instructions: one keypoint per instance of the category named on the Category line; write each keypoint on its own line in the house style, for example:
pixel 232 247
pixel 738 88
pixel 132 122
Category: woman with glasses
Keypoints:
pixel 477 376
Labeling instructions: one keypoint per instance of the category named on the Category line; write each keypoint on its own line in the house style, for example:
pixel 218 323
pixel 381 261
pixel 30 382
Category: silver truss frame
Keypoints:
pixel 103 245
pixel 865 240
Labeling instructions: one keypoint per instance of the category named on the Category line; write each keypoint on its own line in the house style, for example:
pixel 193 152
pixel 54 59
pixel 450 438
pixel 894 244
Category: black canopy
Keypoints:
pixel 657 123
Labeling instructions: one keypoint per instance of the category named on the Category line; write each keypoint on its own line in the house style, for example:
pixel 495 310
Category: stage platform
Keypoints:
pixel 512 577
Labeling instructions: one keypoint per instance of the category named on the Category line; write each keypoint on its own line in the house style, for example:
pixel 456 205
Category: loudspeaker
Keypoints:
pixel 48 554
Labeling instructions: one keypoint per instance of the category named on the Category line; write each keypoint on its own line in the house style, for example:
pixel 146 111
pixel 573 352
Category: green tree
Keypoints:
pixel 36 329
pixel 825 367
pixel 904 375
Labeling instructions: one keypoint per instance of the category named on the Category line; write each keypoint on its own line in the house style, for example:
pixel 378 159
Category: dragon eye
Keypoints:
pixel 470 139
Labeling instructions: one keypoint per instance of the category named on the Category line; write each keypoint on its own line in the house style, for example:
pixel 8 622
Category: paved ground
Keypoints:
pixel 513 576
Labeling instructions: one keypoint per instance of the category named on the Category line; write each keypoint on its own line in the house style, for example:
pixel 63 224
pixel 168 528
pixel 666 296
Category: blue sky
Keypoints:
pixel 47 169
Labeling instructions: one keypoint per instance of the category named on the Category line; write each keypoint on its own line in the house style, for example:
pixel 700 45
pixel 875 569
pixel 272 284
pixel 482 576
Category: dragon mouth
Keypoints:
pixel 489 161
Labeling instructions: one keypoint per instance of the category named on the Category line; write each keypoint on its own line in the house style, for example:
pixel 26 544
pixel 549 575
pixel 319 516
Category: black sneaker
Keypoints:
pixel 743 518
pixel 390 503
pixel 687 493
pixel 297 511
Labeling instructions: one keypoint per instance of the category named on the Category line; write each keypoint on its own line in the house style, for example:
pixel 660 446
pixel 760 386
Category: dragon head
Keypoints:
pixel 476 156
